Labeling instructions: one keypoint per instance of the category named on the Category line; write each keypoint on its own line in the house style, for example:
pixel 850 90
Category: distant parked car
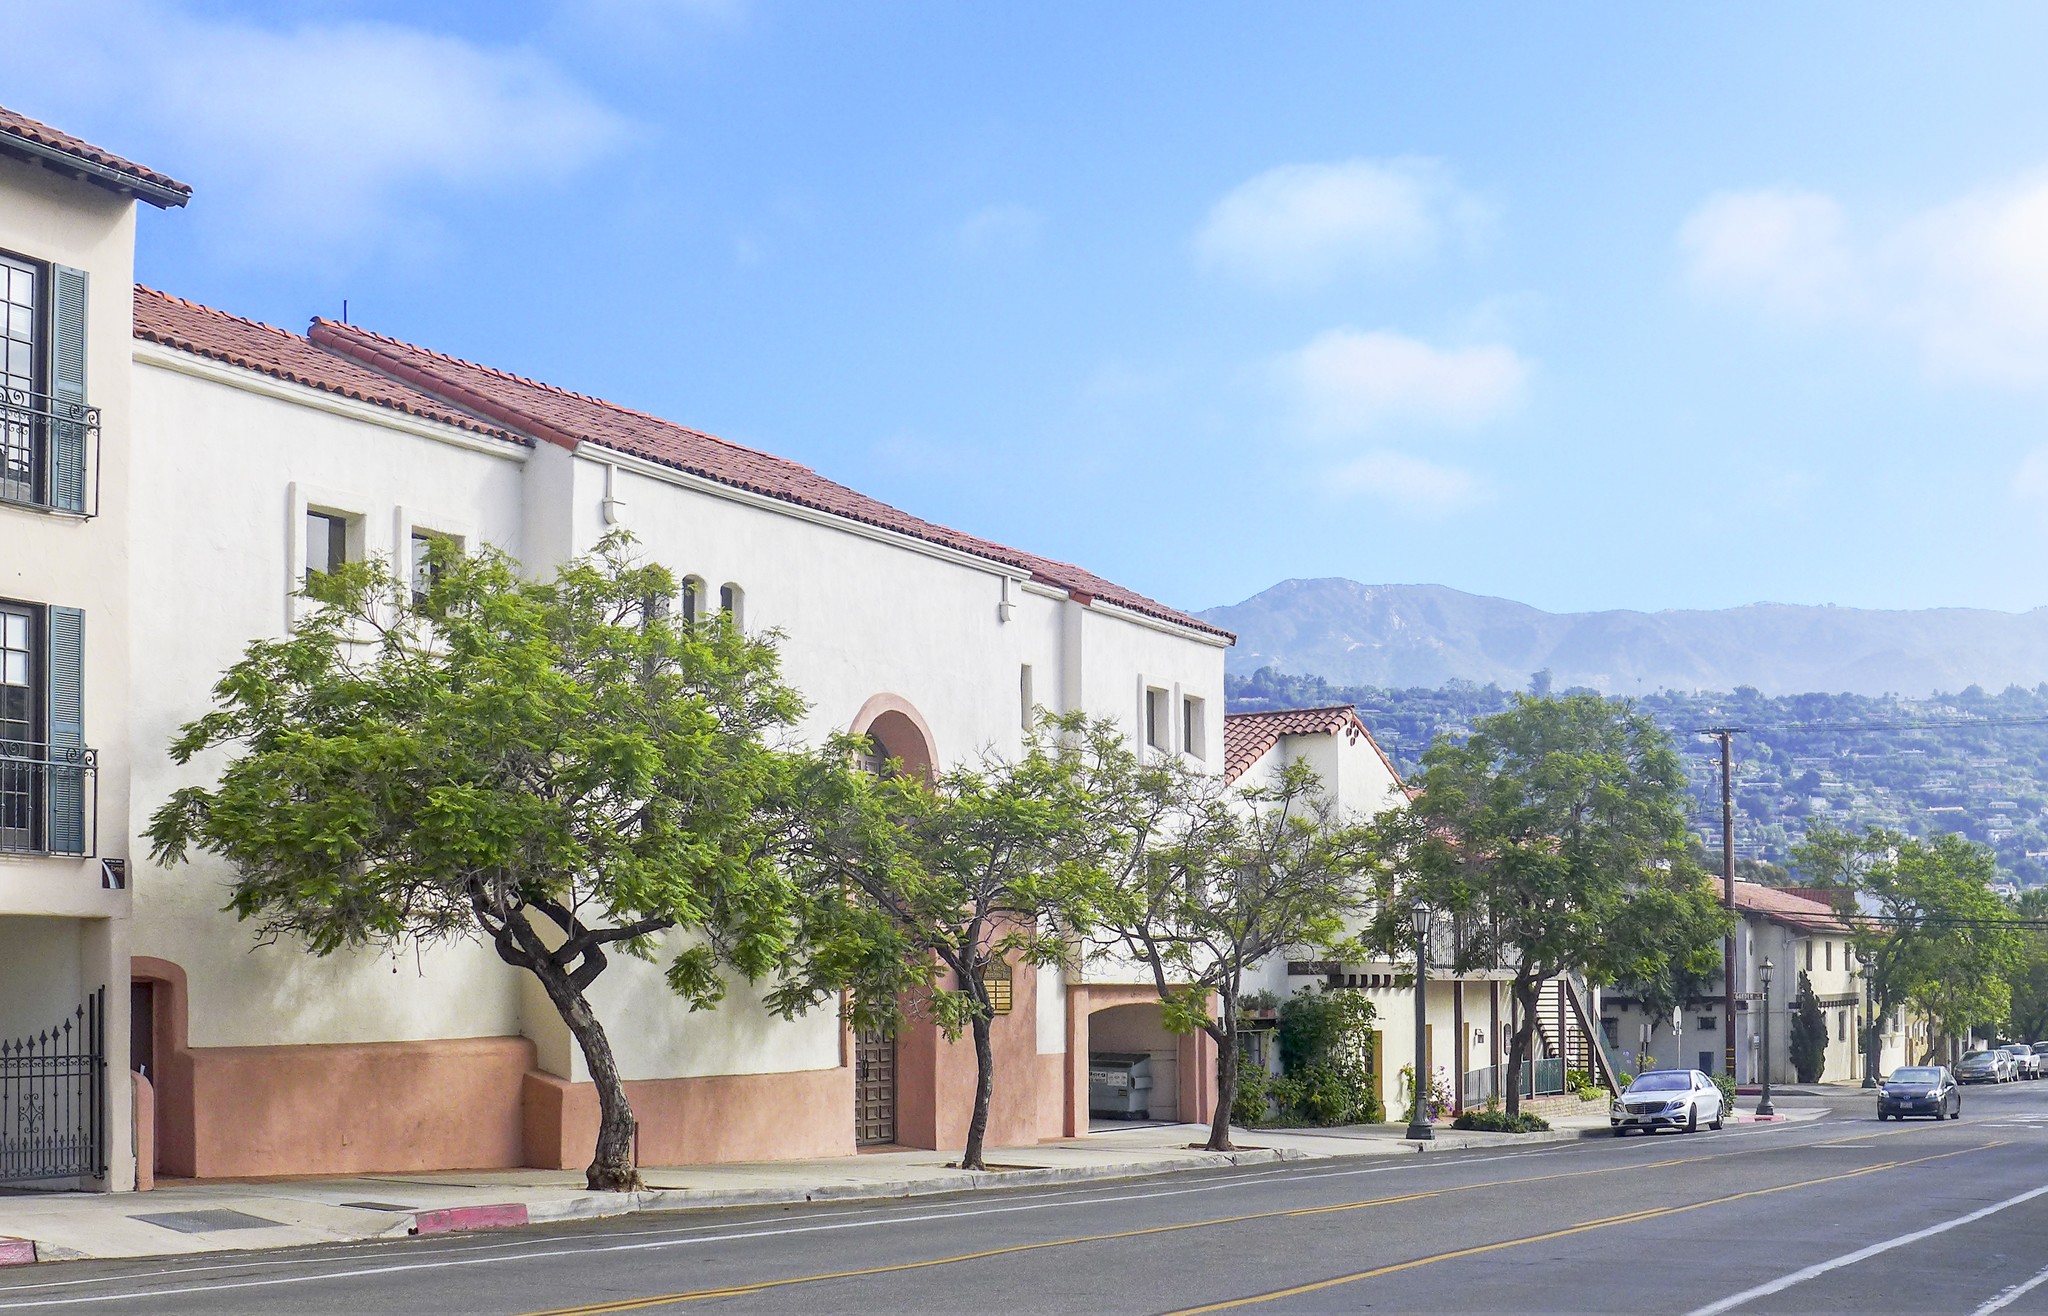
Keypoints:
pixel 1668 1099
pixel 1984 1067
pixel 2041 1054
pixel 1925 1090
pixel 2025 1063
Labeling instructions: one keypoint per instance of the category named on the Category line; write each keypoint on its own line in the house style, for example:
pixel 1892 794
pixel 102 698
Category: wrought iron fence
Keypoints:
pixel 53 1099
pixel 49 452
pixel 49 799
pixel 1542 1076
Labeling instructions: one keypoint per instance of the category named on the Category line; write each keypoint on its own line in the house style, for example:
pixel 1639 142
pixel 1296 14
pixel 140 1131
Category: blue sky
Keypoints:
pixel 1604 306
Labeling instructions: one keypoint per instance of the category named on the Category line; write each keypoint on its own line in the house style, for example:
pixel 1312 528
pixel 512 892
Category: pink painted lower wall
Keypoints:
pixel 355 1108
pixel 697 1121
pixel 935 1078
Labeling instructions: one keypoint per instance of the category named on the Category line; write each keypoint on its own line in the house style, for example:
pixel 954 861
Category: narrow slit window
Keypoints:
pixel 1027 706
pixel 693 599
pixel 326 542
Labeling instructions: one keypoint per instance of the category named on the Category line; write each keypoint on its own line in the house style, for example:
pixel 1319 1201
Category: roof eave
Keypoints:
pixel 92 171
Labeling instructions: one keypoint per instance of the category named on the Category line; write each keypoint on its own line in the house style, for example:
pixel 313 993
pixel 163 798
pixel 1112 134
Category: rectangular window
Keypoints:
pixel 326 542
pixel 1828 948
pixel 1158 722
pixel 21 727
pixel 46 772
pixel 1191 725
pixel 1842 1026
pixel 425 573
pixel 1809 956
pixel 22 376
pixel 1708 1023
pixel 48 435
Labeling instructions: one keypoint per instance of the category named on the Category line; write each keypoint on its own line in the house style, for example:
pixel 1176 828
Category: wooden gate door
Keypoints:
pixel 874 1089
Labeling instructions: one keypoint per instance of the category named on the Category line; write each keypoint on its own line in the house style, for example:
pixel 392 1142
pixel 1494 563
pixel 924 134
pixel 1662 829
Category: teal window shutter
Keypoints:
pixel 67 783
pixel 67 390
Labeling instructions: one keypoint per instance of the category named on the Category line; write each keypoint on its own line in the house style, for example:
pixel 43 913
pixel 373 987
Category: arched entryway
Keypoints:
pixel 897 735
pixel 159 1049
pixel 1126 1020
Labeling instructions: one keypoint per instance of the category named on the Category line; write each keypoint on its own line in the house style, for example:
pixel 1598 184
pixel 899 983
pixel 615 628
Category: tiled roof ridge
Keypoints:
pixel 13 123
pixel 665 442
pixel 286 341
pixel 1261 729
pixel 1290 712
pixel 527 381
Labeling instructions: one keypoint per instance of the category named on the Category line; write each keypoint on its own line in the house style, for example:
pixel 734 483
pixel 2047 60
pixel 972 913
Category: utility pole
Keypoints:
pixel 1725 735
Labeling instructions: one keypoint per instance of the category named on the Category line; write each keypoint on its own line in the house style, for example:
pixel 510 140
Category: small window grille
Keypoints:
pixel 995 979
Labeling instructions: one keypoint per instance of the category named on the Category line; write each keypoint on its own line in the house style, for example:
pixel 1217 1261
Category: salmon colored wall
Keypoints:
pixel 172 1082
pixel 697 1121
pixel 935 1078
pixel 358 1108
pixel 145 1132
pixel 1052 1096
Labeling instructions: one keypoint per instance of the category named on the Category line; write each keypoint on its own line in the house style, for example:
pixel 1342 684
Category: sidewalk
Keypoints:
pixel 184 1217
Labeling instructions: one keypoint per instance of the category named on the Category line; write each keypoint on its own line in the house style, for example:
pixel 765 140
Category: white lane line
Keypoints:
pixel 2016 1291
pixel 858 1218
pixel 1818 1269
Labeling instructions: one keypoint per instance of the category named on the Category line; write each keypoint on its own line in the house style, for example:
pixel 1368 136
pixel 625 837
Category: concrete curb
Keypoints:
pixel 454 1219
pixel 17 1252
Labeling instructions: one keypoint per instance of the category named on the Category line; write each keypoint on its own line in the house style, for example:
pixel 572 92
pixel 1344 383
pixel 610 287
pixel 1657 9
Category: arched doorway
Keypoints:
pixel 897 739
pixel 896 733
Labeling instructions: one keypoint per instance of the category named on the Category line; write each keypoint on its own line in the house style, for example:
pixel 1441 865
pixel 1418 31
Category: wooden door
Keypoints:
pixel 874 1089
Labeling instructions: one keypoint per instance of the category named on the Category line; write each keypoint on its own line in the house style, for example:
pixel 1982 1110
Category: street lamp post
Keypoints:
pixel 1418 1117
pixel 1764 1108
pixel 1870 1054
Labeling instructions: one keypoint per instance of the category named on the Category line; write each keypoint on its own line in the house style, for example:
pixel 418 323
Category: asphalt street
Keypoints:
pixel 1842 1214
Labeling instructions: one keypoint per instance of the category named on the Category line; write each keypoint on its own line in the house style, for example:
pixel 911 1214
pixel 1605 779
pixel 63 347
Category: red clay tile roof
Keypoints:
pixel 570 419
pixel 104 166
pixel 1248 737
pixel 188 327
pixel 1801 909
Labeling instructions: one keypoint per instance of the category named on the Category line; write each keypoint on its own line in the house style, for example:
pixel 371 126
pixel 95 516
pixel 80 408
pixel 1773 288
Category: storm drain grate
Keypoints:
pixel 379 1206
pixel 204 1222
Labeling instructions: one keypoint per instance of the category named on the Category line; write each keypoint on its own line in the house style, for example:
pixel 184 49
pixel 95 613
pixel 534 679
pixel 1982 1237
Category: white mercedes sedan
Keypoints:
pixel 1668 1099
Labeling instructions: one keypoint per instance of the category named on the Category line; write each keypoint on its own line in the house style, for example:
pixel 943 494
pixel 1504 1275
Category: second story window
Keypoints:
pixel 46 771
pixel 1191 725
pixel 732 601
pixel 326 542
pixel 1158 720
pixel 48 435
pixel 693 599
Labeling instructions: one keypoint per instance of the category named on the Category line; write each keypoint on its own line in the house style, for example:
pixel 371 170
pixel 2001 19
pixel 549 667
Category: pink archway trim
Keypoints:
pixel 878 705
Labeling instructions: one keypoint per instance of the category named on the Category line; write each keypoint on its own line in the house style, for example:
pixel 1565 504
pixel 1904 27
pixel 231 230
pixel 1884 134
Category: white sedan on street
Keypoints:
pixel 1668 1099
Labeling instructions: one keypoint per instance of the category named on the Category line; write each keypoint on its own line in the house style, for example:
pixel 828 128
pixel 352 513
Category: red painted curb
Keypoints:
pixel 505 1215
pixel 17 1252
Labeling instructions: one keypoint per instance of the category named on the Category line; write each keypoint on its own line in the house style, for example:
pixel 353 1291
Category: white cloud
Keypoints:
pixel 306 140
pixel 1299 224
pixel 1346 382
pixel 1965 283
pixel 999 229
pixel 1786 251
pixel 1410 483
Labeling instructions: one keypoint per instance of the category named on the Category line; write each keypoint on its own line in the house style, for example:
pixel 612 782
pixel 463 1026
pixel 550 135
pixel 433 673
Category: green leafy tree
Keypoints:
pixel 554 766
pixel 1928 930
pixel 1222 881
pixel 1807 1043
pixel 1556 837
pixel 2029 1012
pixel 921 889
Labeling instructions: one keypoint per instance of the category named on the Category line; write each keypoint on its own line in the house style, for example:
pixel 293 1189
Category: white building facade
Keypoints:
pixel 232 458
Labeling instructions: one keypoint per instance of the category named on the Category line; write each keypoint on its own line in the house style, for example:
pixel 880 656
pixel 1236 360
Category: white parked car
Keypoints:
pixel 1668 1099
pixel 2025 1063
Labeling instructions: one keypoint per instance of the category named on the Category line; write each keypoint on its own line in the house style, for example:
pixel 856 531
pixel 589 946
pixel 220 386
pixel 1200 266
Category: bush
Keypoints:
pixel 1254 1092
pixel 1726 1082
pixel 1579 1081
pixel 1325 1042
pixel 1492 1120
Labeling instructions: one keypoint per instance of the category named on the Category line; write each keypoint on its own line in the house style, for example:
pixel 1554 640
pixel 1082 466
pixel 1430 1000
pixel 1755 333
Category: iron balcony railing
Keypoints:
pixel 49 799
pixel 49 453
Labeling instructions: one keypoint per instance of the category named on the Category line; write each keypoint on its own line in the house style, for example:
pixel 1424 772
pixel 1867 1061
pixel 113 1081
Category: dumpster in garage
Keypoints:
pixel 1120 1084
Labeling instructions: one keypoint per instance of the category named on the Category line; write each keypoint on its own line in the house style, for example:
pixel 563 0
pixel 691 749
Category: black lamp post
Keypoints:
pixel 1763 1106
pixel 1869 1030
pixel 1418 1116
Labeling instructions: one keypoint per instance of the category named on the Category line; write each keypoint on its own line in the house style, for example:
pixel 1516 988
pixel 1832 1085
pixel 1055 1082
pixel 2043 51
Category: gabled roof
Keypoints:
pixel 189 327
pixel 1803 909
pixel 572 419
pixel 1249 737
pixel 25 137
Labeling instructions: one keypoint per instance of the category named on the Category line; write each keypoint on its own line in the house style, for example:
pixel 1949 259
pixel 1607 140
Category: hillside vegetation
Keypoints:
pixel 1424 635
pixel 1972 762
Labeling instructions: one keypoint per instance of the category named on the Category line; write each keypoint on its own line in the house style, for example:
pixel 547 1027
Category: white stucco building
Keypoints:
pixel 232 458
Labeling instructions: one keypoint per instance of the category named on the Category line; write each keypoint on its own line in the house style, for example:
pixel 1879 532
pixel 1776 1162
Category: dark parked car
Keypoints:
pixel 1985 1067
pixel 1928 1091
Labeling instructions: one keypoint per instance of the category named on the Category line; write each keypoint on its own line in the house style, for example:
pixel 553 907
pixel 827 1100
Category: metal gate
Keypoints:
pixel 874 1089
pixel 53 1099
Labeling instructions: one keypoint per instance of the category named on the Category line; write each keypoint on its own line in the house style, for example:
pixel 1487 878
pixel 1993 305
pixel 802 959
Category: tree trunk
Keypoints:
pixel 611 1167
pixel 984 1089
pixel 1225 1037
pixel 1518 1043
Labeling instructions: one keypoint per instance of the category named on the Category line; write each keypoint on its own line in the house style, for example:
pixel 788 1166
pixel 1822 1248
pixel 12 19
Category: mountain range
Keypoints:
pixel 1425 635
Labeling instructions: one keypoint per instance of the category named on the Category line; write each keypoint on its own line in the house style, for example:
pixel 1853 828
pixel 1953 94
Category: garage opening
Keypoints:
pixel 1133 1067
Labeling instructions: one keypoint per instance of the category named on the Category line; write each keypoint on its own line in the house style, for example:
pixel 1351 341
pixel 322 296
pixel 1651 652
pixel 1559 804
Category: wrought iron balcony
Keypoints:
pixel 49 799
pixel 49 453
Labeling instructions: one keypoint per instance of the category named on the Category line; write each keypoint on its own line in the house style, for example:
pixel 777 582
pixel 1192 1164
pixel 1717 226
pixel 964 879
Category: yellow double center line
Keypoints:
pixel 764 1286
